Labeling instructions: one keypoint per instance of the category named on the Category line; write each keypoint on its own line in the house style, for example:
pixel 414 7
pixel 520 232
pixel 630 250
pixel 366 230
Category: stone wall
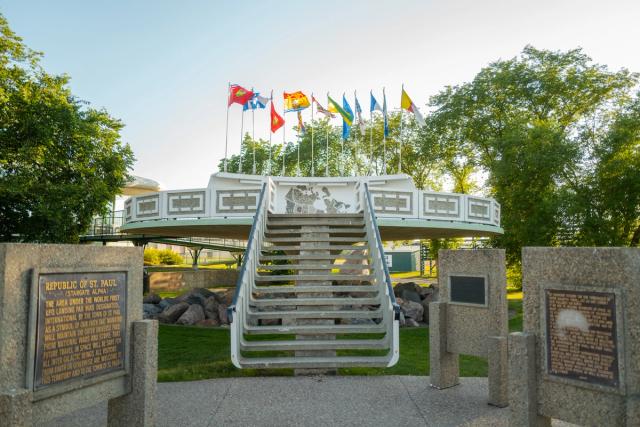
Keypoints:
pixel 189 279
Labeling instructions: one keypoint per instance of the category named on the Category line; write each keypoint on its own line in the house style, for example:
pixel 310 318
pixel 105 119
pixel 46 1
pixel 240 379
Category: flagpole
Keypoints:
pixel 226 134
pixel 401 128
pixel 253 136
pixel 241 132
pixel 270 133
pixel 284 140
pixel 355 137
pixel 326 172
pixel 371 137
pixel 384 134
pixel 313 173
pixel 326 167
pixel 299 142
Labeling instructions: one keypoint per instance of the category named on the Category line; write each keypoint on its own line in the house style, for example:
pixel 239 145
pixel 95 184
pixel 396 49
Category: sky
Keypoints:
pixel 163 66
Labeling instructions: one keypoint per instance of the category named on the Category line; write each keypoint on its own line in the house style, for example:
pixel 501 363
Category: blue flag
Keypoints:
pixel 256 101
pixel 384 113
pixel 346 128
pixel 359 114
pixel 375 106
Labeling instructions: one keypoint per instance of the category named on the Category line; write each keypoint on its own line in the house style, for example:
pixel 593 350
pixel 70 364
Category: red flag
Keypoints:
pixel 276 121
pixel 239 95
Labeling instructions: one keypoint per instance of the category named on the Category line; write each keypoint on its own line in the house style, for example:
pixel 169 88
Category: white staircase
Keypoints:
pixel 314 292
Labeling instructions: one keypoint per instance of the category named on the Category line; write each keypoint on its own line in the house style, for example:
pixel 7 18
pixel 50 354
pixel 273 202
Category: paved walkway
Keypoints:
pixel 314 401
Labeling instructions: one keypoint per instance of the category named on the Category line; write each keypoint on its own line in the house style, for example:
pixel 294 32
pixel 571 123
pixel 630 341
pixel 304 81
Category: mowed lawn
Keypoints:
pixel 195 353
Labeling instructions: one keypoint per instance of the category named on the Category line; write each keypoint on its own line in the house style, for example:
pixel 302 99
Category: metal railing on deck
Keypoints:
pixel 247 274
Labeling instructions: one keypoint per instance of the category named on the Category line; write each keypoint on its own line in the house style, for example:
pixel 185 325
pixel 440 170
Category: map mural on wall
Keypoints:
pixel 304 199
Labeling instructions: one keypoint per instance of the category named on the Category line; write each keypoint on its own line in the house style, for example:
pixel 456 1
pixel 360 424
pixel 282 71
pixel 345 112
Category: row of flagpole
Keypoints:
pixel 298 101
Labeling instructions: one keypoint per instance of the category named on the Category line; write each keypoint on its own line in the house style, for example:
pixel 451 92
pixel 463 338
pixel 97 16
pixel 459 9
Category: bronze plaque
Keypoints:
pixel 581 336
pixel 81 326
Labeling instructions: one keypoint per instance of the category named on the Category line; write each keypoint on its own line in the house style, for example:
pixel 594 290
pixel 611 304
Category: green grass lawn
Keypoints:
pixel 193 353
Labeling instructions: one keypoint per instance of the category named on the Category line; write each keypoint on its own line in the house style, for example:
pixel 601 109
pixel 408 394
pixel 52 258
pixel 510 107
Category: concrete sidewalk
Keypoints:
pixel 314 401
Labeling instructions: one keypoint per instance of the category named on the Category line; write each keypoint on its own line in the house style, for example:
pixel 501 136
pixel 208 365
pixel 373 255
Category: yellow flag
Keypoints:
pixel 295 101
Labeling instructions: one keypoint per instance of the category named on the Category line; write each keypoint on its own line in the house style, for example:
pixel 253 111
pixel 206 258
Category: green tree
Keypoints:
pixel 61 162
pixel 519 121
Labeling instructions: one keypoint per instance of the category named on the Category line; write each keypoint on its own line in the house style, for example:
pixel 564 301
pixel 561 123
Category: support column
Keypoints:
pixel 445 369
pixel 15 408
pixel 138 408
pixel 523 399
pixel 498 371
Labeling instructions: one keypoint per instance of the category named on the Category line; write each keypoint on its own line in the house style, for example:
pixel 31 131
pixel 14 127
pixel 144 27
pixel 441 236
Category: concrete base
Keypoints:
pixel 15 408
pixel 138 408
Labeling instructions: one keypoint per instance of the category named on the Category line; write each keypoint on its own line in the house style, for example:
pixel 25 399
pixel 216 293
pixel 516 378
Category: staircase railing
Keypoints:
pixel 381 271
pixel 247 275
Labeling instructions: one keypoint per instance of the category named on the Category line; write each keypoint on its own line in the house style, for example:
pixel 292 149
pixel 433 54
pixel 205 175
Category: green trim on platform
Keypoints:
pixel 430 223
pixel 132 226
pixel 391 228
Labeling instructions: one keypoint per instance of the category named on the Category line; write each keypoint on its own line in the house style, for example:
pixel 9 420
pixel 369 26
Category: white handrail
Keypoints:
pixel 382 275
pixel 246 276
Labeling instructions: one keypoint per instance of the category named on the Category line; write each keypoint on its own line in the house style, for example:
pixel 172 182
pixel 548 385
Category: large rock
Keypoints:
pixel 225 297
pixel 151 299
pixel 409 290
pixel 411 309
pixel 151 308
pixel 222 314
pixel 167 302
pixel 205 292
pixel 425 306
pixel 173 312
pixel 211 308
pixel 193 315
pixel 411 296
pixel 192 296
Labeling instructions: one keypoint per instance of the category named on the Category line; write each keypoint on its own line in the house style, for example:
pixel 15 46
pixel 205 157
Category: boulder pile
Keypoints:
pixel 202 307
pixel 198 306
pixel 414 302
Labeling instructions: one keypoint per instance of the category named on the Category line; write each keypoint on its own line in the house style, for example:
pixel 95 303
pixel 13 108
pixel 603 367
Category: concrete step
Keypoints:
pixel 280 231
pixel 327 247
pixel 316 329
pixel 275 302
pixel 314 277
pixel 315 267
pixel 285 345
pixel 315 362
pixel 317 314
pixel 320 222
pixel 313 289
pixel 313 257
pixel 297 239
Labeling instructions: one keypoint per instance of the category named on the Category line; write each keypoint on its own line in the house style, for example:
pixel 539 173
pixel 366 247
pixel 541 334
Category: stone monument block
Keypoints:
pixel 72 334
pixel 577 357
pixel 471 318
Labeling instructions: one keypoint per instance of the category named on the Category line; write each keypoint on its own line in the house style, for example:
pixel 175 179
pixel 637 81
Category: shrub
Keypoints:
pixel 168 257
pixel 151 256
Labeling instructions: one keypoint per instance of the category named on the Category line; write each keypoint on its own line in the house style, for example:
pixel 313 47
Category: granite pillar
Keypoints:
pixel 15 408
pixel 138 408
pixel 445 370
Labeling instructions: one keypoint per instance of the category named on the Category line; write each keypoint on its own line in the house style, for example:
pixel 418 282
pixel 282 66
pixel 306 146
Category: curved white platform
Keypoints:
pixel 225 208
